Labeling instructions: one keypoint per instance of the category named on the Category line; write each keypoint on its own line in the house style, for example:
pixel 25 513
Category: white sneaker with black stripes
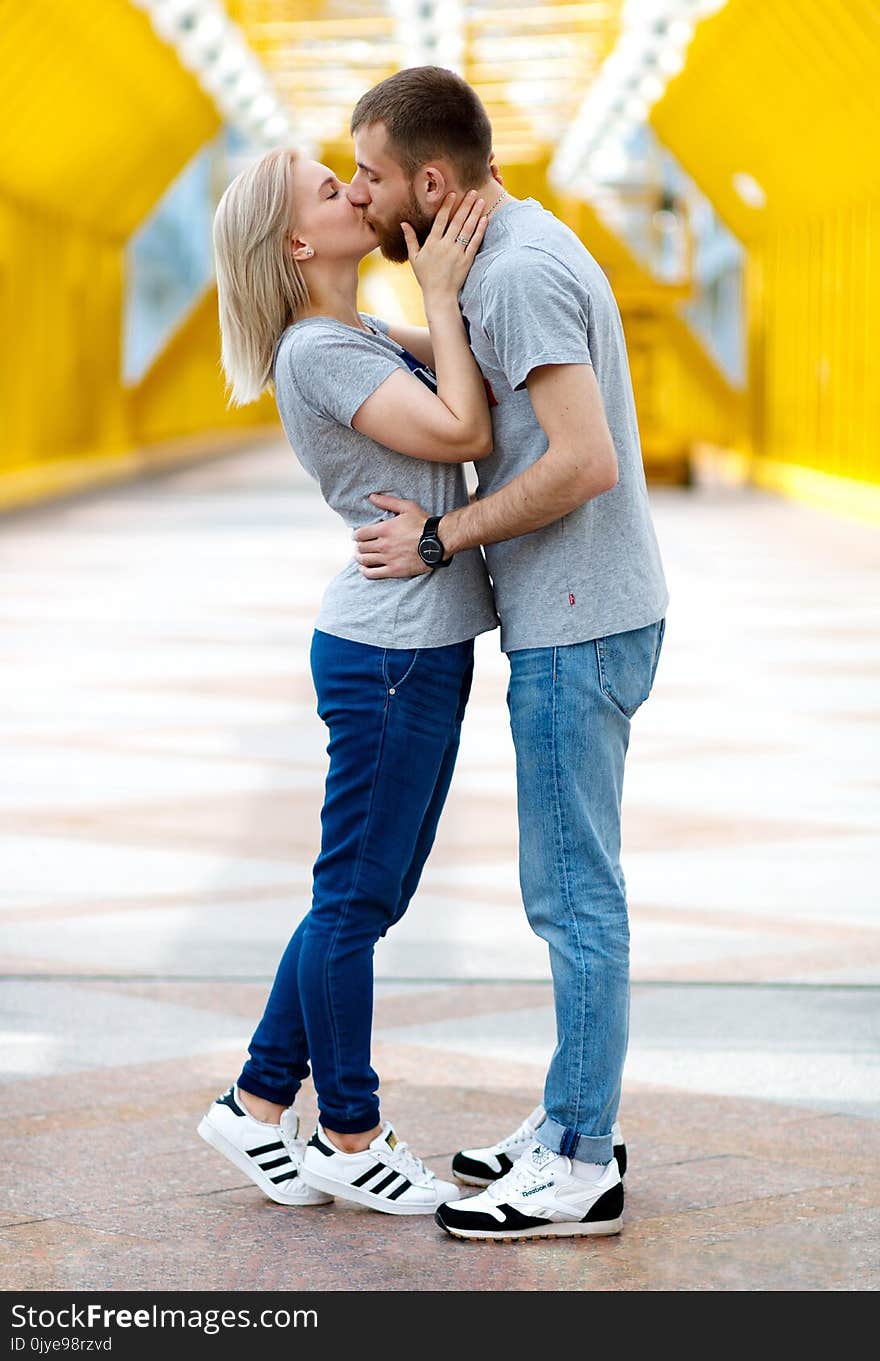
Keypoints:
pixel 482 1166
pixel 269 1154
pixel 539 1198
pixel 387 1175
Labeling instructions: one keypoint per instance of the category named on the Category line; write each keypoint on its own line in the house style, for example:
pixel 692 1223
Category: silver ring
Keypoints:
pixel 463 240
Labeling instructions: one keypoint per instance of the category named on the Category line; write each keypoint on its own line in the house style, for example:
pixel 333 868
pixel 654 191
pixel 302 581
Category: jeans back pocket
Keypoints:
pixel 628 665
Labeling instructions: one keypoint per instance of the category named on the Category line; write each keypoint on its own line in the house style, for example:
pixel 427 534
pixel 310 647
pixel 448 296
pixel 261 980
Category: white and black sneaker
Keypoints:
pixel 539 1198
pixel 482 1166
pixel 269 1154
pixel 387 1176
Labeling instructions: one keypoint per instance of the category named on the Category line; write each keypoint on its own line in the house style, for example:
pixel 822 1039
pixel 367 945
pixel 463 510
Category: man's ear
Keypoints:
pixel 431 186
pixel 493 169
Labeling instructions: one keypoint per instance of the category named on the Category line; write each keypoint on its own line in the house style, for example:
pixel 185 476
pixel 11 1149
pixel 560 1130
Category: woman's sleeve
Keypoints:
pixel 336 371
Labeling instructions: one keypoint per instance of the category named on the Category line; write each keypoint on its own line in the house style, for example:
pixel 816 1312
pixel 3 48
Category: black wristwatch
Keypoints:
pixel 431 549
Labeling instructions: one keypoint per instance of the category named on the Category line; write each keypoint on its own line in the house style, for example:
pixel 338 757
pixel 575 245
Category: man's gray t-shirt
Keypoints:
pixel 324 371
pixel 536 296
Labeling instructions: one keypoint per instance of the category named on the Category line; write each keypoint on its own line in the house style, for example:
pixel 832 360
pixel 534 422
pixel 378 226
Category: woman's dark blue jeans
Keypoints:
pixel 394 719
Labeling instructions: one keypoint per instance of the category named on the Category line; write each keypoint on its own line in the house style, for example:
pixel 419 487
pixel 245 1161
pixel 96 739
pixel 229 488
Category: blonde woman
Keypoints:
pixel 364 405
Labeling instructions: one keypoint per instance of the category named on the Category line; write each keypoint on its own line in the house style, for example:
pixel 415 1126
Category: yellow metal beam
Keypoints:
pixel 96 114
pixel 787 94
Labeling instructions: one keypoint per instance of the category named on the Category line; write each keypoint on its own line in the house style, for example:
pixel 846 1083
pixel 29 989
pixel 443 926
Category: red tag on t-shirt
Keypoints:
pixel 570 598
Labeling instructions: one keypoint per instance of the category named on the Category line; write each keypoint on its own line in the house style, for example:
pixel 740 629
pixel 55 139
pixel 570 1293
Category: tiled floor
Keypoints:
pixel 162 771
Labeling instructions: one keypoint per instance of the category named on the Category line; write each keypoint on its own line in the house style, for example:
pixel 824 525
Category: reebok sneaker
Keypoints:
pixel 539 1198
pixel 482 1166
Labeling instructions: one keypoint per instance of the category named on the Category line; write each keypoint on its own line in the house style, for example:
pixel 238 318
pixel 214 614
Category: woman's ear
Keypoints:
pixel 299 249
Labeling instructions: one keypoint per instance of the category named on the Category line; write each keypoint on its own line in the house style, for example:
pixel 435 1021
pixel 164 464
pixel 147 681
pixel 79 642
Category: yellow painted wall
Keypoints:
pixel 60 296
pixel 821 341
pixel 97 117
pixel 787 93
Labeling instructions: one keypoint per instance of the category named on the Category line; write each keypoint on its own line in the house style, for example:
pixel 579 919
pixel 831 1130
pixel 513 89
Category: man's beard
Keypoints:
pixel 392 242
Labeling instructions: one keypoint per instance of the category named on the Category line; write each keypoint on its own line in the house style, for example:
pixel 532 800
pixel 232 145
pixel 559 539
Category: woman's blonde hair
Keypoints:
pixel 260 287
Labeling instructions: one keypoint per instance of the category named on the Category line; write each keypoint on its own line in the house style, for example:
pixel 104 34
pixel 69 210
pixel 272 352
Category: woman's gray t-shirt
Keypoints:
pixel 324 371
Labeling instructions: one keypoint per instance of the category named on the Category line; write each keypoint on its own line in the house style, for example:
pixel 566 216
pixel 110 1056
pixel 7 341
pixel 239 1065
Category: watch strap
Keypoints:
pixel 429 531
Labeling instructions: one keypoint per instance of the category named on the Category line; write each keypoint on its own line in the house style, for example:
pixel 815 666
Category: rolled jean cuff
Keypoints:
pixel 277 1095
pixel 360 1124
pixel 585 1148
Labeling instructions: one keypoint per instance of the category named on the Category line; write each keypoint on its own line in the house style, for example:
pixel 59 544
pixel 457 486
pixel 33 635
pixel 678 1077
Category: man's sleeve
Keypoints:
pixel 336 371
pixel 378 322
pixel 534 311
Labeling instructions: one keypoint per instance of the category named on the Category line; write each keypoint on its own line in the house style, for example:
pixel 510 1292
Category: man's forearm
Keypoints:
pixel 579 463
pixel 533 499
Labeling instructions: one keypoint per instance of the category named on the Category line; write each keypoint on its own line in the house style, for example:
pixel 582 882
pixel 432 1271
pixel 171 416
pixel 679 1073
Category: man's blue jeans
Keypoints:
pixel 570 711
pixel 394 719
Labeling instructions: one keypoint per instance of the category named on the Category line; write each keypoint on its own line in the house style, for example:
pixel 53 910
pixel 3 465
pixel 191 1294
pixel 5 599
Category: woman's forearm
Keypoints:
pixel 459 382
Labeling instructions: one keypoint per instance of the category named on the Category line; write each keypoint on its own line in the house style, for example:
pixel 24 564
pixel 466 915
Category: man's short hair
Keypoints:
pixel 428 112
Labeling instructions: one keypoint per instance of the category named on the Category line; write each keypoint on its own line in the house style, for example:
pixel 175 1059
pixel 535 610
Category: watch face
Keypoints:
pixel 430 551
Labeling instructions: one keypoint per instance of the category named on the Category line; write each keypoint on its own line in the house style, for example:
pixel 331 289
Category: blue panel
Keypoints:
pixel 169 260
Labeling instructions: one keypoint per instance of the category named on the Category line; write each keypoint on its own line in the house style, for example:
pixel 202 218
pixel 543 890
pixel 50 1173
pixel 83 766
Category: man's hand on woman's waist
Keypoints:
pixel 389 548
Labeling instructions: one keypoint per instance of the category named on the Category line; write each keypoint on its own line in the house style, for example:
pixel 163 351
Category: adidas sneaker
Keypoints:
pixel 269 1154
pixel 539 1198
pixel 482 1166
pixel 387 1176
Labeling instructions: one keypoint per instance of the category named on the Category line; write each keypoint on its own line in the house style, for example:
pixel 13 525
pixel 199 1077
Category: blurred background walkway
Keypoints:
pixel 162 763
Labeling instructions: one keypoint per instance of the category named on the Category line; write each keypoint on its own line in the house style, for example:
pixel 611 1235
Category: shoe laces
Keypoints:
pixel 525 1131
pixel 402 1159
pixel 520 1176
